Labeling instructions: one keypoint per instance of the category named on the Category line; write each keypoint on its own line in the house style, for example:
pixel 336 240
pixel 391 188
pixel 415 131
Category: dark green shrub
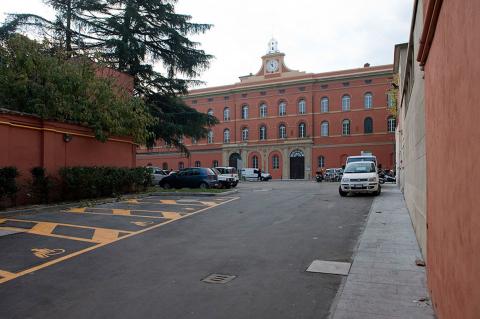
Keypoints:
pixel 93 182
pixel 8 183
pixel 41 185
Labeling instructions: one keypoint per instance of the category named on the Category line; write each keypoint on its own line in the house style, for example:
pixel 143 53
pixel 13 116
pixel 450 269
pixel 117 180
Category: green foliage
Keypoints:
pixel 133 36
pixel 41 185
pixel 36 82
pixel 8 184
pixel 94 182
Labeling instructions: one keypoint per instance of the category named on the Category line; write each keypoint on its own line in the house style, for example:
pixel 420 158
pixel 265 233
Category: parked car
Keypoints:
pixel 330 174
pixel 360 177
pixel 252 173
pixel 362 158
pixel 227 176
pixel 195 177
pixel 158 174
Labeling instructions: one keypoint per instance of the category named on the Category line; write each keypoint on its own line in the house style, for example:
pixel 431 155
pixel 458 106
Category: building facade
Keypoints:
pixel 290 123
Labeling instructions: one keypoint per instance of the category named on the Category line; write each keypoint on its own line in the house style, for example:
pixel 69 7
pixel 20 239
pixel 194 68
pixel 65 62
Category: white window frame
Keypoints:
pixel 226 136
pixel 302 130
pixel 254 161
pixel 263 110
pixel 302 106
pixel 368 100
pixel 282 108
pixel 275 162
pixel 324 104
pixel 391 124
pixel 210 137
pixel 263 132
pixel 346 100
pixel 282 130
pixel 226 114
pixel 245 134
pixel 324 128
pixel 346 127
pixel 245 112
pixel 321 161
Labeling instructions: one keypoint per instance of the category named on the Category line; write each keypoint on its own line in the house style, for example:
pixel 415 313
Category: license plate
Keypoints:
pixel 357 186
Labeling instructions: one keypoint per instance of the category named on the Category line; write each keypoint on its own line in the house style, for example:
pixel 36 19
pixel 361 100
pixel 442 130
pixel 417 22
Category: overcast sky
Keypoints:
pixel 316 35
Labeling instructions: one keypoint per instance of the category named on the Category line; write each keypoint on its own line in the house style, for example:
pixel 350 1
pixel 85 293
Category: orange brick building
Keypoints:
pixel 288 122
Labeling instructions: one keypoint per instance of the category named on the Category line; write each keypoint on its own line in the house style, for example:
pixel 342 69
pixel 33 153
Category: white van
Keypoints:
pixel 252 173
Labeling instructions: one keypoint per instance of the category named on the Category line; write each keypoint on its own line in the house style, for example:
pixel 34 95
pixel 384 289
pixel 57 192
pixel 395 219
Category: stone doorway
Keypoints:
pixel 297 165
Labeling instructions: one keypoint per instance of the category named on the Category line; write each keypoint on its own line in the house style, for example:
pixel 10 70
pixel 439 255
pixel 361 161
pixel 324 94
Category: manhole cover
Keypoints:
pixel 329 267
pixel 218 279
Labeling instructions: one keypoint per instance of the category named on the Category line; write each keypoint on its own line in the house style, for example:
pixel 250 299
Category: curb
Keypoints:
pixel 234 191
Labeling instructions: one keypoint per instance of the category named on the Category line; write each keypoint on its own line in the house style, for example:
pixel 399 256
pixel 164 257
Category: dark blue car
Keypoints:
pixel 191 178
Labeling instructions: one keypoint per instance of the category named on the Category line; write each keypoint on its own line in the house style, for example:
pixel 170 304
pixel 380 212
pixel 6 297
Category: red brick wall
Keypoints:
pixel 27 141
pixel 452 108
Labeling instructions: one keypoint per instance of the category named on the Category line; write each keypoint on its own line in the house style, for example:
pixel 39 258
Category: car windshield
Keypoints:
pixel 218 171
pixel 361 159
pixel 360 167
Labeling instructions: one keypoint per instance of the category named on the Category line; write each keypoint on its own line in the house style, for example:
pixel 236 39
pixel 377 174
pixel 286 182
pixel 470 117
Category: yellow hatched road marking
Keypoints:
pixel 132 201
pixel 7 274
pixel 103 235
pixel 77 210
pixel 171 215
pixel 124 212
pixel 108 214
pixel 79 252
pixel 43 228
pixel 209 203
pixel 168 201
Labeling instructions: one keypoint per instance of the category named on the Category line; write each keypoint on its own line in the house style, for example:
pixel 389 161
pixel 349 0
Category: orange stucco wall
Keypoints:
pixel 27 141
pixel 452 106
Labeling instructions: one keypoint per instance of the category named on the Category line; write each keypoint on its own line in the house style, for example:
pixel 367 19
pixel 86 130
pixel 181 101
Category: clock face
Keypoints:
pixel 272 66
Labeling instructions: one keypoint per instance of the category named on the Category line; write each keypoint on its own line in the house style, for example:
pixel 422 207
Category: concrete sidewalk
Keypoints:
pixel 384 281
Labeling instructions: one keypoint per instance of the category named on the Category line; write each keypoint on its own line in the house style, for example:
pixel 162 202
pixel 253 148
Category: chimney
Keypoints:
pixel 366 65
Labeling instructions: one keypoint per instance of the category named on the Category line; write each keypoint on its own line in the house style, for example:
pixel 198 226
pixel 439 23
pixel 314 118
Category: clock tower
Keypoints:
pixel 273 64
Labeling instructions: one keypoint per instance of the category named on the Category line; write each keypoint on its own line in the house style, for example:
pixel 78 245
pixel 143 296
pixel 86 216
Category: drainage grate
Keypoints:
pixel 218 279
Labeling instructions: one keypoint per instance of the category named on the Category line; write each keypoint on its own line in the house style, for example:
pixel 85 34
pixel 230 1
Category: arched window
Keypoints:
pixel 245 134
pixel 368 125
pixel 263 132
pixel 210 137
pixel 282 131
pixel 391 124
pixel 302 131
pixel 210 112
pixel 368 100
pixel 181 165
pixel 226 136
pixel 282 108
pixel 302 106
pixel 321 161
pixel 275 162
pixel 391 101
pixel 324 104
pixel 197 164
pixel 346 102
pixel 263 110
pixel 254 161
pixel 245 112
pixel 165 165
pixel 324 128
pixel 215 163
pixel 226 114
pixel 346 127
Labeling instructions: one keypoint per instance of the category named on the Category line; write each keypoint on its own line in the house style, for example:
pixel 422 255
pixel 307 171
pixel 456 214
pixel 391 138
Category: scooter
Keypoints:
pixel 319 178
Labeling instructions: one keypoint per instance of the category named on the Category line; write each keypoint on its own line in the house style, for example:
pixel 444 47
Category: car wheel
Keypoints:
pixel 235 184
pixel 203 185
pixel 167 186
pixel 378 191
pixel 342 193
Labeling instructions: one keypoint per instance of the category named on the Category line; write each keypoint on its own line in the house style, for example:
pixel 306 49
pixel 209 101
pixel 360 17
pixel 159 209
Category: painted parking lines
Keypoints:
pixel 47 229
pixel 55 252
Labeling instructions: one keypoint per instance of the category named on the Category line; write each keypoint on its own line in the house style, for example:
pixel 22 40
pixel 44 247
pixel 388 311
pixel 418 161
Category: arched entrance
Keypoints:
pixel 297 165
pixel 234 160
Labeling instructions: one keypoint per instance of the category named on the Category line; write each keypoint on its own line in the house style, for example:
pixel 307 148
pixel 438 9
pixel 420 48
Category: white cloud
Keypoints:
pixel 316 35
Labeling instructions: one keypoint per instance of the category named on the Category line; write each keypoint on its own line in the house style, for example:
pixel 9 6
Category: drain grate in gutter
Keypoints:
pixel 218 279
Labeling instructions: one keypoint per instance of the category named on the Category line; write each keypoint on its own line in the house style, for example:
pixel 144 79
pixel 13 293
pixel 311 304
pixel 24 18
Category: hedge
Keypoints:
pixel 93 182
pixel 8 184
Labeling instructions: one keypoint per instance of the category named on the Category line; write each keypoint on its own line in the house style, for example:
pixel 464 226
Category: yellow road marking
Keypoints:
pixel 79 252
pixel 124 212
pixel 103 235
pixel 43 228
pixel 7 274
pixel 168 201
pixel 135 210
pixel 209 203
pixel 20 230
pixel 171 215
pixel 132 201
pixel 45 252
pixel 142 224
pixel 108 214
pixel 77 210
pixel 189 208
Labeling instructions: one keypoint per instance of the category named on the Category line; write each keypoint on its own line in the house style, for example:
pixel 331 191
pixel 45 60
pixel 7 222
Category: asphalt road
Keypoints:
pixel 267 238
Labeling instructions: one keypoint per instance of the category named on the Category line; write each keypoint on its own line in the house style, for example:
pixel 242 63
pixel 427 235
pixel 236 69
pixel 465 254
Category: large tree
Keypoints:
pixel 144 38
